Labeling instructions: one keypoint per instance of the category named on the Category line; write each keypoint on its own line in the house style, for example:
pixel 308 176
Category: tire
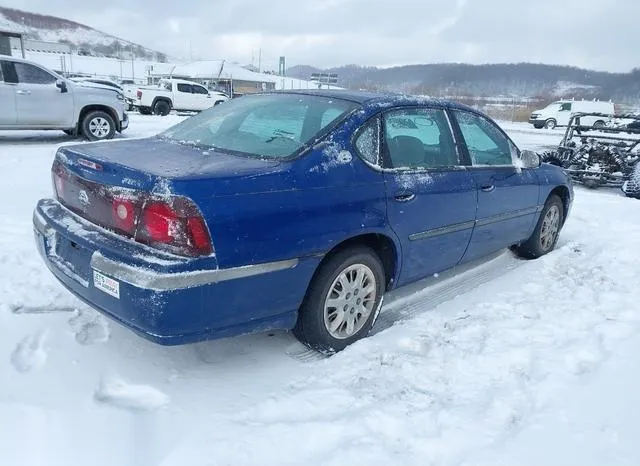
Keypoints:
pixel 313 327
pixel 551 157
pixel 144 110
pixel 162 108
pixel 538 126
pixel 599 124
pixel 632 186
pixel 98 126
pixel 550 123
pixel 540 243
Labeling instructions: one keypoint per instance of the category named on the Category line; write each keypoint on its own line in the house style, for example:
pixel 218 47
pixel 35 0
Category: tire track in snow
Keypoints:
pixel 412 300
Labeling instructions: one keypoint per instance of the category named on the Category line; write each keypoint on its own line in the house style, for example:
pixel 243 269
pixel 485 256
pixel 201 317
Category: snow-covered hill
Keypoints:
pixel 82 38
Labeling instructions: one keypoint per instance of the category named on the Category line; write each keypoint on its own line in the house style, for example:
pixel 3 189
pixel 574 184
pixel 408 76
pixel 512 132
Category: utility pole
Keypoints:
pixel 260 60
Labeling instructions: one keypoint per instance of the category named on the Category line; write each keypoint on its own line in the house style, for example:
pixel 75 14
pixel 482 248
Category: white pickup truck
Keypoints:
pixel 176 94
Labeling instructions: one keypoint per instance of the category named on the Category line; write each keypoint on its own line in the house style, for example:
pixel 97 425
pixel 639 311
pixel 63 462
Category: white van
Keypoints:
pixel 558 113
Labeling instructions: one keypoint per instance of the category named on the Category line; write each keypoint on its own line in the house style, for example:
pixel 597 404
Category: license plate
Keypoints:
pixel 106 284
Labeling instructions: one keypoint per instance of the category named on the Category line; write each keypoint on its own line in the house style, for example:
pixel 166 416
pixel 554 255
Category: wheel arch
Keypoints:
pixel 101 108
pixel 563 193
pixel 385 247
pixel 161 98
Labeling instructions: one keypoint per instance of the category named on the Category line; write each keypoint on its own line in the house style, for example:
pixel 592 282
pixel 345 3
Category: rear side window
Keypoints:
pixel 418 138
pixel 485 142
pixel 368 142
pixel 199 90
pixel 184 88
pixel 29 74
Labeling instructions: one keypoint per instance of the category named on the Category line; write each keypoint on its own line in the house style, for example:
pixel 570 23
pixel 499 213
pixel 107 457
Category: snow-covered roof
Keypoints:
pixel 213 69
pixel 221 69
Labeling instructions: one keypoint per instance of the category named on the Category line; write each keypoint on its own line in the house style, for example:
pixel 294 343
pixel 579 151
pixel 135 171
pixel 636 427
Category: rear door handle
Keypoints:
pixel 23 92
pixel 404 197
pixel 488 188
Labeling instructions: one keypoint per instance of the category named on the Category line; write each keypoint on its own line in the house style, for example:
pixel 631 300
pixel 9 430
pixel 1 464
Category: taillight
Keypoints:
pixel 160 223
pixel 139 94
pixel 123 213
pixel 57 179
pixel 174 224
pixel 170 223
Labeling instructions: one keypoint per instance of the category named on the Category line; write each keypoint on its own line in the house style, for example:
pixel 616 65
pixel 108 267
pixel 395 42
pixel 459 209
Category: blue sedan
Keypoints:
pixel 290 210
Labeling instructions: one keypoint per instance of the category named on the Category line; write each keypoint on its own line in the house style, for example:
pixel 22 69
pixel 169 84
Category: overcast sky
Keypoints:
pixel 596 34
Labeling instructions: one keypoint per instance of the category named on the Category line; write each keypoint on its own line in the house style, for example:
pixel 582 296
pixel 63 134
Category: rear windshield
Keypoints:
pixel 266 125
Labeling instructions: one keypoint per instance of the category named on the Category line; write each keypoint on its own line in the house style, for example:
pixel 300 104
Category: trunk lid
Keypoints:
pixel 148 164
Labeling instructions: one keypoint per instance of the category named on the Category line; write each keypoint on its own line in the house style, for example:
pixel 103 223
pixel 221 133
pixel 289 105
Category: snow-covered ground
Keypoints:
pixel 510 363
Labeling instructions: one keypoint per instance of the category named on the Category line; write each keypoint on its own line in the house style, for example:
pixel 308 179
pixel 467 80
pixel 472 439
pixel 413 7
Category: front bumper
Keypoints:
pixel 124 123
pixel 165 298
pixel 536 122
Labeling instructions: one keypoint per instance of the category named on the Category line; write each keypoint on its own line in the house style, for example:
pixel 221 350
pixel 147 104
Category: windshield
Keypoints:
pixel 262 125
pixel 553 106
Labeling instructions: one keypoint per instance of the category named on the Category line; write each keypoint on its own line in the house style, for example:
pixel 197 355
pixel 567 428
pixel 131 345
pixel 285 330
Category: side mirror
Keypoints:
pixel 62 85
pixel 530 159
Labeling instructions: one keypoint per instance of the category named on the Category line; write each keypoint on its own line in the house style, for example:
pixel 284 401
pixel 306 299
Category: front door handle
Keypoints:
pixel 488 188
pixel 23 92
pixel 404 197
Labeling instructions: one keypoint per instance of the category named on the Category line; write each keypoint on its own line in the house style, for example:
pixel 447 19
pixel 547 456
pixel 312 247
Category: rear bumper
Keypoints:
pixel 167 299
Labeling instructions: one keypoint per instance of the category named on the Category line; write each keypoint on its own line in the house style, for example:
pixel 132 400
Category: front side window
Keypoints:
pixel 184 88
pixel 565 107
pixel 418 138
pixel 199 90
pixel 485 142
pixel 266 125
pixel 29 74
pixel 368 142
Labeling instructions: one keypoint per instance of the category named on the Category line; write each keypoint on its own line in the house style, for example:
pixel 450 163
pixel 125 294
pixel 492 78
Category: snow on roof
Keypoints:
pixel 214 69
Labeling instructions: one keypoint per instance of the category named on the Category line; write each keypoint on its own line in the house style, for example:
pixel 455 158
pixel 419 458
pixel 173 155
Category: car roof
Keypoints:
pixel 368 98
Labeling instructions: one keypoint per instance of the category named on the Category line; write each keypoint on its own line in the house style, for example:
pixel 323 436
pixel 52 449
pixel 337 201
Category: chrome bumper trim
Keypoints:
pixel 168 281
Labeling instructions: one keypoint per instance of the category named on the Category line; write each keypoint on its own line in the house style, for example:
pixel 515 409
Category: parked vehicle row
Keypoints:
pixel 290 210
pixel 33 97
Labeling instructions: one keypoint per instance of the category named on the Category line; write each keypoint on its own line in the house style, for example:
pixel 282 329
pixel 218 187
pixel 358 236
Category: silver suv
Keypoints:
pixel 33 97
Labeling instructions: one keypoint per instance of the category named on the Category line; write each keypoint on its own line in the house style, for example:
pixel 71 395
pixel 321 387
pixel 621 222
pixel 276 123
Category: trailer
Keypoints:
pixel 608 155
